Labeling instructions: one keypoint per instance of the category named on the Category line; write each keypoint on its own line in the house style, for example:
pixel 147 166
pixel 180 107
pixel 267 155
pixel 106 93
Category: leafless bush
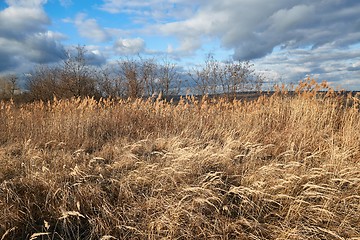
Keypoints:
pixel 138 77
pixel 228 78
pixel 8 86
pixel 73 78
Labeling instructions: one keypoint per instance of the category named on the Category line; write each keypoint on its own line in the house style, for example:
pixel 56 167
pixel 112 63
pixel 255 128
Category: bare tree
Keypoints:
pixel 229 77
pixel 8 86
pixel 241 76
pixel 200 78
pixel 43 83
pixel 134 84
pixel 77 77
pixel 73 78
pixel 149 73
pixel 110 83
pixel 209 77
pixel 13 79
pixel 169 79
pixel 141 76
pixel 138 77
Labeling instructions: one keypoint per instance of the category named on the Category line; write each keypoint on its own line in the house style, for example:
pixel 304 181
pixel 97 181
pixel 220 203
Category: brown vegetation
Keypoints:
pixel 8 86
pixel 276 168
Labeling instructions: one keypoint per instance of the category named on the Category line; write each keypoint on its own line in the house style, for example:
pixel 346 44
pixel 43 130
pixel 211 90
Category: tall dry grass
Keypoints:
pixel 280 167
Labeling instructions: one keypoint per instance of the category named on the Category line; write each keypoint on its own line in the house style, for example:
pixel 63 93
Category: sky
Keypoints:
pixel 286 40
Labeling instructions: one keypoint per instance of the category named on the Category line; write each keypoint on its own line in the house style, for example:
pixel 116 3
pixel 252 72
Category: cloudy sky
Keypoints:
pixel 285 39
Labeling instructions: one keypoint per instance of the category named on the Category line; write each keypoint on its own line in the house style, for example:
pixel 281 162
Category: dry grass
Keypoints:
pixel 276 168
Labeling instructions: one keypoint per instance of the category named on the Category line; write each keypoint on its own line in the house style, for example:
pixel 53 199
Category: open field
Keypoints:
pixel 278 167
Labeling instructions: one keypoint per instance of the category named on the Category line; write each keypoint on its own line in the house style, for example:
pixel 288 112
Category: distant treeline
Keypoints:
pixel 131 78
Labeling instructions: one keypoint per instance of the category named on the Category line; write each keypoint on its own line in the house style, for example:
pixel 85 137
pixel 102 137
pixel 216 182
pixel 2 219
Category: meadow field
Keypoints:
pixel 278 167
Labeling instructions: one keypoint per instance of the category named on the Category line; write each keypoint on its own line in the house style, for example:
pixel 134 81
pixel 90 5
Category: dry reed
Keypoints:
pixel 280 167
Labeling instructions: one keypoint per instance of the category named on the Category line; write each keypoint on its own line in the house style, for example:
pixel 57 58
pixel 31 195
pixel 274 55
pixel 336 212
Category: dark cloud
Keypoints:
pixel 24 37
pixel 354 69
pixel 95 58
pixel 7 62
pixel 43 49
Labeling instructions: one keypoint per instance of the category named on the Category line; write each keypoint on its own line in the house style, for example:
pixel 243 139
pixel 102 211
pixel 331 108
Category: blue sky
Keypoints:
pixel 285 39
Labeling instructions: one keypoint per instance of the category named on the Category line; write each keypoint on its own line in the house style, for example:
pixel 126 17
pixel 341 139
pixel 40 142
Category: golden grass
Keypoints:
pixel 279 167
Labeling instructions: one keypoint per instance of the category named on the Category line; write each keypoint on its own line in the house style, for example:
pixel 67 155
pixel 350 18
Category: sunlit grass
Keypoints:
pixel 284 166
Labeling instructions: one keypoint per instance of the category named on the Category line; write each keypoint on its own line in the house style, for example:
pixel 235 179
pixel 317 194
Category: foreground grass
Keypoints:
pixel 275 168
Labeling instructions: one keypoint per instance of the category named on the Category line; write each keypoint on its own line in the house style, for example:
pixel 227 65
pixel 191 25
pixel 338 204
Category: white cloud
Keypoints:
pixel 26 3
pixel 116 6
pixel 129 46
pixel 286 19
pixel 153 10
pixel 16 21
pixel 56 35
pixel 170 49
pixel 66 3
pixel 89 28
pixel 325 63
